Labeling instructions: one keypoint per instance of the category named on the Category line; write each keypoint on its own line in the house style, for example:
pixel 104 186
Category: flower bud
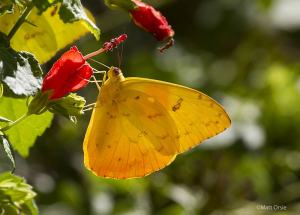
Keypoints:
pixel 151 20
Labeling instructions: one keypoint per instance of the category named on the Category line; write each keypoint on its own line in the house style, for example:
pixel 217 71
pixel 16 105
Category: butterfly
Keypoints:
pixel 139 125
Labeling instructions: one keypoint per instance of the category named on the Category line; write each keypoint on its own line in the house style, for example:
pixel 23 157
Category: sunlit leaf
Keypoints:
pixel 20 71
pixel 72 10
pixel 23 135
pixel 1 90
pixel 45 34
pixel 3 119
pixel 16 196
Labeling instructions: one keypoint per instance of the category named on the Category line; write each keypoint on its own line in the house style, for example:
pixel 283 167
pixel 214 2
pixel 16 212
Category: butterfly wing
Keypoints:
pixel 197 116
pixel 117 145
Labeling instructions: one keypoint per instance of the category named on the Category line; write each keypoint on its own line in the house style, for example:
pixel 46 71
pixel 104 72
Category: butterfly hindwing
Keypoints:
pixel 117 148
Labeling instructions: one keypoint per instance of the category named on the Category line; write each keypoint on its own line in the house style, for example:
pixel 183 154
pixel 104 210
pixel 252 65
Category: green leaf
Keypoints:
pixel 1 90
pixel 46 33
pixel 6 6
pixel 16 196
pixel 7 149
pixel 23 135
pixel 31 208
pixel 20 71
pixel 72 10
pixel 3 119
pixel 43 5
pixel 120 4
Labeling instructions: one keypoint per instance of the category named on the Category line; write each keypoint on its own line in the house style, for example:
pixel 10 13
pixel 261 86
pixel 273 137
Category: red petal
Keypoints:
pixel 67 74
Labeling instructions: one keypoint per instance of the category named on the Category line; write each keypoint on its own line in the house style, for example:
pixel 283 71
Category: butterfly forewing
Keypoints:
pixel 152 120
pixel 197 116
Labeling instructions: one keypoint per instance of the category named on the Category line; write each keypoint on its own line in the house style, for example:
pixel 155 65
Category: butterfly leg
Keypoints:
pixel 89 107
pixel 96 82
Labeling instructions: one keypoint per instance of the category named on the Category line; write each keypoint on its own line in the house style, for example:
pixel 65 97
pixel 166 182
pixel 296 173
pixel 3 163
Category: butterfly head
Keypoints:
pixel 115 73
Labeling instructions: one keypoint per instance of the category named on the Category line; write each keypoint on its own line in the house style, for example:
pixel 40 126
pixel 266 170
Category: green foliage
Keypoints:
pixel 43 5
pixel 20 71
pixel 3 119
pixel 7 149
pixel 70 11
pixel 16 196
pixel 6 6
pixel 23 135
pixel 120 4
pixel 38 104
pixel 1 89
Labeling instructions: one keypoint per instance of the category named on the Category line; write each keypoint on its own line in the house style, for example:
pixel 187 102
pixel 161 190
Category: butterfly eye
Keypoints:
pixel 116 70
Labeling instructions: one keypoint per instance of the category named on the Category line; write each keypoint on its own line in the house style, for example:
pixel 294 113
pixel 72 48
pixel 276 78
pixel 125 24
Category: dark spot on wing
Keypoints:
pixel 160 148
pixel 154 115
pixel 164 137
pixel 186 133
pixel 142 133
pixel 111 116
pixel 29 36
pixel 137 97
pixel 119 159
pixel 177 105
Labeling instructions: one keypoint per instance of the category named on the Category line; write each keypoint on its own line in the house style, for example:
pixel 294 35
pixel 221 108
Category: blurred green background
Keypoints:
pixel 243 53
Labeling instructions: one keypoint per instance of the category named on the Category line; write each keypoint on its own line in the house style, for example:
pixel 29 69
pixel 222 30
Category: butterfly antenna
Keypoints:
pixel 122 49
pixel 102 64
pixel 119 58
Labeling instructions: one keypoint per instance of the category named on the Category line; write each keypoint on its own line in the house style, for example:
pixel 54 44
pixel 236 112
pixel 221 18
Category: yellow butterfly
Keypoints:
pixel 138 125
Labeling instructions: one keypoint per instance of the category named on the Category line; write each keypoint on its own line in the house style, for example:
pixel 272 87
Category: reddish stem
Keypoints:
pixel 99 51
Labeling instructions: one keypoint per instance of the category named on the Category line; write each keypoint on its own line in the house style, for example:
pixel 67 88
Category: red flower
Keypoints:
pixel 69 73
pixel 151 20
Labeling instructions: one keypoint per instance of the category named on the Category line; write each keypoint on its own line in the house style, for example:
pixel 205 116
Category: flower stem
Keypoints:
pixel 94 53
pixel 20 21
pixel 14 123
